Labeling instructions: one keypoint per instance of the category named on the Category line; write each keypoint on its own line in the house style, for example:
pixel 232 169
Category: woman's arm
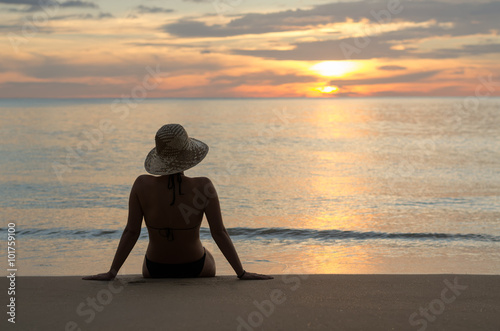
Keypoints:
pixel 129 237
pixel 220 235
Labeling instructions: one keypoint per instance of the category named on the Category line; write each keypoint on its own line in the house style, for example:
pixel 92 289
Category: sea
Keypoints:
pixel 307 186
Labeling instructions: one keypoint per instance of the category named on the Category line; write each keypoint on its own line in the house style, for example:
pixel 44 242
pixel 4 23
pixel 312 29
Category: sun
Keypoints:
pixel 327 89
pixel 333 68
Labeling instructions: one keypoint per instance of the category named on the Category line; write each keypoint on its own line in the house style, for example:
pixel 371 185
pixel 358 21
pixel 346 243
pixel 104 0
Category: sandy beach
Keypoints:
pixel 289 302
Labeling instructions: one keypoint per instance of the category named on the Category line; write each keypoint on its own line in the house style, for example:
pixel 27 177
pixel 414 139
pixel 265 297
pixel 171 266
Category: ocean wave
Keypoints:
pixel 279 233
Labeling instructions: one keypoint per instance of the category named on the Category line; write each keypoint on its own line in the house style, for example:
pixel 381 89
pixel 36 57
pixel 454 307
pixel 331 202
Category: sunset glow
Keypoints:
pixel 328 89
pixel 333 68
pixel 86 49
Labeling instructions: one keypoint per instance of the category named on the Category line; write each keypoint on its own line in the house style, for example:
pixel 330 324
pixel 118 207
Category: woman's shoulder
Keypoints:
pixel 142 180
pixel 145 177
pixel 199 180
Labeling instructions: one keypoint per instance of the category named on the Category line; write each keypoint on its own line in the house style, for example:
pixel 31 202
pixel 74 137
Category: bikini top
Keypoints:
pixel 168 232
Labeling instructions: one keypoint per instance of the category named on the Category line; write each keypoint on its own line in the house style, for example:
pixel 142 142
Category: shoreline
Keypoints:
pixel 288 302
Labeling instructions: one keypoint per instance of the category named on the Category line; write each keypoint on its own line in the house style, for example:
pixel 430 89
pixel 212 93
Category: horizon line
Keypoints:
pixel 218 98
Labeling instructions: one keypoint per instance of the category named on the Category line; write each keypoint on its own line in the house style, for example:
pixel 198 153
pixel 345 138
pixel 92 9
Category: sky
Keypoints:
pixel 248 48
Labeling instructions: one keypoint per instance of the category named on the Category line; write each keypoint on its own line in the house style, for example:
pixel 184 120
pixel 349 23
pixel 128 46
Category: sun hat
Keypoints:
pixel 174 151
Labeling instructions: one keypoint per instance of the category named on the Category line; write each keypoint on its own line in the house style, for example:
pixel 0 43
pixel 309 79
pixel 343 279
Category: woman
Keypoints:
pixel 173 206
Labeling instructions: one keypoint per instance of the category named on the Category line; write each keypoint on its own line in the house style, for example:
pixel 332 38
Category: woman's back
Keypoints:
pixel 173 208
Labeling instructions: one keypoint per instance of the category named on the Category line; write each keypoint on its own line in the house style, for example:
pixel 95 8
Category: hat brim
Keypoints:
pixel 193 154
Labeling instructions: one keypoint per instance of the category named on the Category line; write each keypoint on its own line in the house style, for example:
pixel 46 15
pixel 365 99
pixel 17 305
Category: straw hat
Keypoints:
pixel 174 151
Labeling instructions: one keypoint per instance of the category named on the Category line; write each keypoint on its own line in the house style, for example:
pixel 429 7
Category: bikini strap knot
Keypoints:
pixel 171 185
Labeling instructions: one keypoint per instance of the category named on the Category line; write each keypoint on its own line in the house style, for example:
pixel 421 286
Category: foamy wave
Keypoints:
pixel 282 234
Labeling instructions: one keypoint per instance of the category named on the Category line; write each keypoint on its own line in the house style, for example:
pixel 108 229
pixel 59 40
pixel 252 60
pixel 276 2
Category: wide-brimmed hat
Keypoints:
pixel 174 151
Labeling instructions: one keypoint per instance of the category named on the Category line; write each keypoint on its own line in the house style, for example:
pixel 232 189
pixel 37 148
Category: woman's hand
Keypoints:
pixel 105 276
pixel 253 276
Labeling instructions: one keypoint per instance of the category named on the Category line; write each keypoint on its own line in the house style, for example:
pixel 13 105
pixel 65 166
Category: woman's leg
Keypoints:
pixel 209 266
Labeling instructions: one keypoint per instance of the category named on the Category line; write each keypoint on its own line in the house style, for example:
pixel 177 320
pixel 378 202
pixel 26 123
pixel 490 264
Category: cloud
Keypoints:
pixel 252 23
pixel 450 91
pixel 79 4
pixel 391 68
pixel 229 86
pixel 465 50
pixel 86 16
pixel 436 19
pixel 220 86
pixel 152 10
pixel 57 90
pixel 330 50
pixel 262 78
pixel 105 15
pixel 406 78
pixel 38 5
pixel 466 16
pixel 53 68
pixel 373 48
pixel 460 71
pixel 21 2
pixel 189 28
pixel 165 44
pixel 28 6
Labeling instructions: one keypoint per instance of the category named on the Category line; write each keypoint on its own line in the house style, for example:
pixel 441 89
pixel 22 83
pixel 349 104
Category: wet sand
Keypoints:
pixel 288 302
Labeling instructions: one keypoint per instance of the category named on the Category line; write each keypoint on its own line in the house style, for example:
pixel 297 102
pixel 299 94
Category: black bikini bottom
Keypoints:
pixel 179 270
